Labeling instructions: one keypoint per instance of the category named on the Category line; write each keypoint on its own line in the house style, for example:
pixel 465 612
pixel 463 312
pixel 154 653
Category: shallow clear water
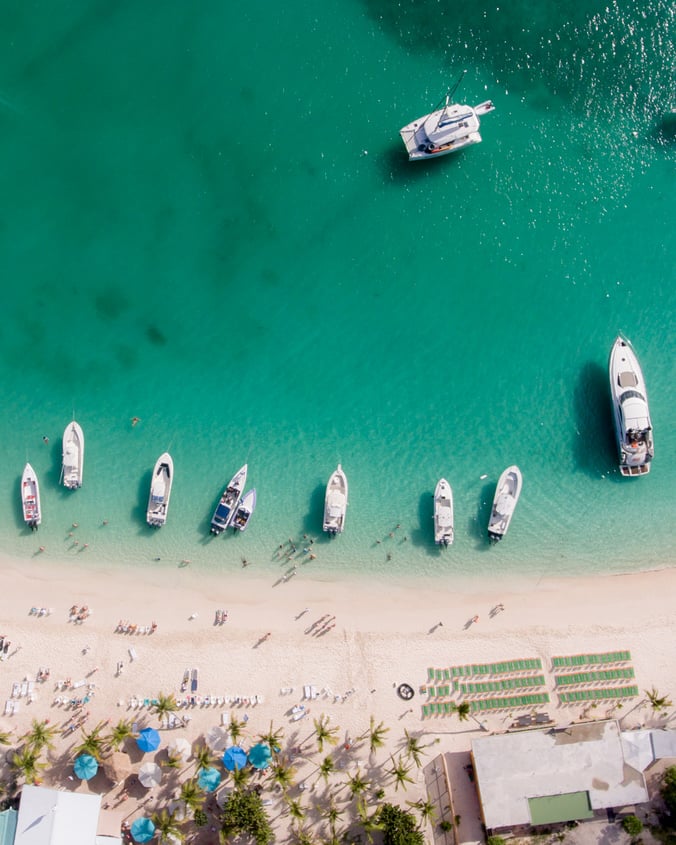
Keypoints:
pixel 191 232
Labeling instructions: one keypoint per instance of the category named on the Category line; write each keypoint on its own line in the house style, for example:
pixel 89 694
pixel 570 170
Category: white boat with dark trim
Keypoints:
pixel 30 498
pixel 72 456
pixel 447 129
pixel 226 507
pixel 244 511
pixel 335 502
pixel 443 513
pixel 160 490
pixel 506 496
pixel 631 414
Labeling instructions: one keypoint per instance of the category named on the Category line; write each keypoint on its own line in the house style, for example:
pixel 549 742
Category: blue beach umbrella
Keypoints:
pixel 86 766
pixel 208 779
pixel 142 830
pixel 234 758
pixel 260 755
pixel 148 739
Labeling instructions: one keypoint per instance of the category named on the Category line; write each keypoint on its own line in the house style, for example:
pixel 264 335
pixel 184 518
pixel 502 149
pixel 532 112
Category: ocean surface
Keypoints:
pixel 207 221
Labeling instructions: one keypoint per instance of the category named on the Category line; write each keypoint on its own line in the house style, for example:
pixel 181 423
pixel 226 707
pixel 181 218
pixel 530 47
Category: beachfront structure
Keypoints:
pixel 55 817
pixel 535 778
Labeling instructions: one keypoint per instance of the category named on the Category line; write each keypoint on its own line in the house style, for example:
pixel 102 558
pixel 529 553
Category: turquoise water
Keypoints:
pixel 208 221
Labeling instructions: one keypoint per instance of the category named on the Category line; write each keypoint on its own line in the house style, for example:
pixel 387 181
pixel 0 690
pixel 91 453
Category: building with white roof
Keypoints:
pixel 56 817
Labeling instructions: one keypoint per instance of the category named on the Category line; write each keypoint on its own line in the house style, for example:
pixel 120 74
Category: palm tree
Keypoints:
pixel 427 810
pixel 332 814
pixel 203 757
pixel 296 809
pixel 5 738
pixel 92 742
pixel 191 795
pixel 303 836
pixel 40 736
pixel 27 763
pixel 167 827
pixel 463 710
pixel 368 822
pixel 376 735
pixel 324 733
pixel 657 702
pixel 326 767
pixel 121 731
pixel 282 775
pixel 164 705
pixel 240 777
pixel 400 773
pixel 413 748
pixel 357 784
pixel 273 738
pixel 236 729
pixel 172 762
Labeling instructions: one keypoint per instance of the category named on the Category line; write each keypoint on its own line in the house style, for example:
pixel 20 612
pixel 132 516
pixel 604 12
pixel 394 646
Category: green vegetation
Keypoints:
pixel 632 825
pixel 399 827
pixel 243 813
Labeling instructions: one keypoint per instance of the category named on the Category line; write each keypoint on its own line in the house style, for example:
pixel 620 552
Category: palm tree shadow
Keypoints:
pixel 592 442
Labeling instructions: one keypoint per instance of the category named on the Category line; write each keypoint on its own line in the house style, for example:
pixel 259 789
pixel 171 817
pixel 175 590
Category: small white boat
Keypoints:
pixel 160 490
pixel 335 502
pixel 447 129
pixel 73 456
pixel 631 414
pixel 244 511
pixel 226 507
pixel 30 498
pixel 443 513
pixel 506 496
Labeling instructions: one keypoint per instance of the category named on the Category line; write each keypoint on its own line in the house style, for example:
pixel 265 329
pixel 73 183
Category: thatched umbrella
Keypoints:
pixel 117 767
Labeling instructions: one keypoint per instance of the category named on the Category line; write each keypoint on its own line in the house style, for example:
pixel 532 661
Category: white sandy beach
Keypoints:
pixel 384 634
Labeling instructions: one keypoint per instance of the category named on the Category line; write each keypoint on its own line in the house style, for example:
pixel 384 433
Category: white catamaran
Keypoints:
pixel 447 129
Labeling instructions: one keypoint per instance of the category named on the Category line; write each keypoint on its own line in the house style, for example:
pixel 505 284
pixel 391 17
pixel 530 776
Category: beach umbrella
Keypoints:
pixel 260 755
pixel 180 747
pixel 148 739
pixel 208 779
pixel 86 766
pixel 150 775
pixel 117 767
pixel 142 830
pixel 234 758
pixel 217 739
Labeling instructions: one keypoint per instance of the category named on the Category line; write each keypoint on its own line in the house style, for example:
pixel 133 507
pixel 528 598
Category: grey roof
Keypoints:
pixel 513 767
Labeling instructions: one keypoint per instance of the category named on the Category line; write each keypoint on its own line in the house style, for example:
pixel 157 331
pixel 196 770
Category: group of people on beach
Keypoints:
pixel 221 617
pixel 124 627
pixel 78 614
pixel 322 626
pixel 4 646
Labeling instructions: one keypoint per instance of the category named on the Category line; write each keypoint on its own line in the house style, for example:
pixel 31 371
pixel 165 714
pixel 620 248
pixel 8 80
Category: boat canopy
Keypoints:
pixel 634 411
pixel 450 122
pixel 445 518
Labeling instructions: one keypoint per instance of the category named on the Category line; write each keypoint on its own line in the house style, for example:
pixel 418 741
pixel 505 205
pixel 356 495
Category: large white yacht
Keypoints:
pixel 335 502
pixel 225 509
pixel 73 456
pixel 506 496
pixel 447 129
pixel 443 513
pixel 160 490
pixel 631 414
pixel 30 498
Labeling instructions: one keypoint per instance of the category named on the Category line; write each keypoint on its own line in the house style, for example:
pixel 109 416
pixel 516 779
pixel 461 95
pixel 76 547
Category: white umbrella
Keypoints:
pixel 180 747
pixel 150 775
pixel 217 738
pixel 179 809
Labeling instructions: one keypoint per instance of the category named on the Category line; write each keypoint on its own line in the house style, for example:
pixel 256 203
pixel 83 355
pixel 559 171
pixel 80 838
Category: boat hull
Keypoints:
pixel 244 512
pixel 506 496
pixel 30 498
pixel 444 131
pixel 443 513
pixel 631 413
pixel 335 503
pixel 72 456
pixel 226 507
pixel 160 491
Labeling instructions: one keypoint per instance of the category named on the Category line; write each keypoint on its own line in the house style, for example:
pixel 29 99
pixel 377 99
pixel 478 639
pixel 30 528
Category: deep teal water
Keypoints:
pixel 191 232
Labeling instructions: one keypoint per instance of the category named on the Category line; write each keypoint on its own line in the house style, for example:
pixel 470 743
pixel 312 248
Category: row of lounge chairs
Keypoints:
pixel 591 659
pixel 598 694
pixel 510 703
pixel 499 686
pixel 506 667
pixel 592 677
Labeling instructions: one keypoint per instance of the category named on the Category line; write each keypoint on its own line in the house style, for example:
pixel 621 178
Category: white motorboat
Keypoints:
pixel 447 129
pixel 506 496
pixel 30 498
pixel 73 456
pixel 160 490
pixel 245 509
pixel 226 507
pixel 631 414
pixel 335 502
pixel 443 513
